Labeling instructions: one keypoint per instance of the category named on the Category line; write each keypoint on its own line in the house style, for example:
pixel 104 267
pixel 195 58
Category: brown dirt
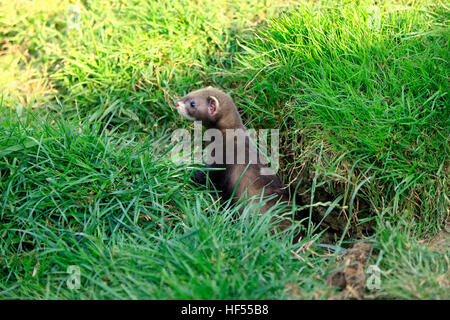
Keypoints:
pixel 440 242
pixel 351 278
pixel 337 219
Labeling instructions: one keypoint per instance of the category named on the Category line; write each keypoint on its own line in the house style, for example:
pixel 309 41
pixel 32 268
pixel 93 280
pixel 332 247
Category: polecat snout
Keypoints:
pixel 237 179
pixel 214 108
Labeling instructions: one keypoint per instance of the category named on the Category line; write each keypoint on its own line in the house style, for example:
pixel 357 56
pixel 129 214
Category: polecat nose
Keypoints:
pixel 177 104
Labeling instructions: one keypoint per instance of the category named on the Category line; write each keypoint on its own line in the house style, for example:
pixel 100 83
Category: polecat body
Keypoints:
pixel 238 179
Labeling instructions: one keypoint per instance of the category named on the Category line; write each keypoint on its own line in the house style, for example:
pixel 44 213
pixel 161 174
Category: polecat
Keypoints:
pixel 237 179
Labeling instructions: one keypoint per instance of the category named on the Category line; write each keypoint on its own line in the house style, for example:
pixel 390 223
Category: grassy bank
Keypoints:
pixel 359 93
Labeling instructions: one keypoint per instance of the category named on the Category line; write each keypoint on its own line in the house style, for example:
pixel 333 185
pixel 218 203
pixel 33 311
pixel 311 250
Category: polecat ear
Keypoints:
pixel 213 105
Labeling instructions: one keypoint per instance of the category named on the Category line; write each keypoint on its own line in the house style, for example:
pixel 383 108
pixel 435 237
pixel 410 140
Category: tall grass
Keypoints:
pixel 85 122
pixel 375 92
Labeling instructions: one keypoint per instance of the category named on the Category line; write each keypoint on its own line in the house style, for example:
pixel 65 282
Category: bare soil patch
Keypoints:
pixel 351 278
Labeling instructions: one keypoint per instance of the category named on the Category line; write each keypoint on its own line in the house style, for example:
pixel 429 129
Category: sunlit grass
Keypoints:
pixel 85 122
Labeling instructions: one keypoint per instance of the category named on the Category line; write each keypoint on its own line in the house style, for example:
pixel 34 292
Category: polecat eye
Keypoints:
pixel 193 105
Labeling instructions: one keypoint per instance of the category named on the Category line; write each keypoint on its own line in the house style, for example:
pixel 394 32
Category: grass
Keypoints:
pixel 376 94
pixel 85 125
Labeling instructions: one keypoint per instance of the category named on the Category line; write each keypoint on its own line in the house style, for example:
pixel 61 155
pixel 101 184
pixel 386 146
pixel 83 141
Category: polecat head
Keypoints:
pixel 214 108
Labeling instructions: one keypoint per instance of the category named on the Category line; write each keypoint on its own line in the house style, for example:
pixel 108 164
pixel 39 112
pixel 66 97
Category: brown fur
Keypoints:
pixel 237 181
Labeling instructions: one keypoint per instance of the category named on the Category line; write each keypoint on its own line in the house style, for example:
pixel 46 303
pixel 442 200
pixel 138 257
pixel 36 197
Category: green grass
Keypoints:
pixel 379 96
pixel 86 119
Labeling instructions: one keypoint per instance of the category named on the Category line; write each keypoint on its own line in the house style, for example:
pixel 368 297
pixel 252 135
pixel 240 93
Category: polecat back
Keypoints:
pixel 239 179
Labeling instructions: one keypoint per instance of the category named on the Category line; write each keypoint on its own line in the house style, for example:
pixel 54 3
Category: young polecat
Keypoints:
pixel 239 178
